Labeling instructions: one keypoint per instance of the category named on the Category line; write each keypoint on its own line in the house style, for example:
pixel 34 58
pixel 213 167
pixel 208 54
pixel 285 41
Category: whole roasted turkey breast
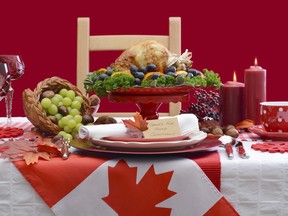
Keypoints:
pixel 142 54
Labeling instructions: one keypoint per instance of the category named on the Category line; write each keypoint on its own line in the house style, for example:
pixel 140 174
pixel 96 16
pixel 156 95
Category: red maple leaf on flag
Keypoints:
pixel 128 198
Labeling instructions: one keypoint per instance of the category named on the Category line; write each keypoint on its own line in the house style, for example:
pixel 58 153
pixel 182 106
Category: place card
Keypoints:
pixel 162 128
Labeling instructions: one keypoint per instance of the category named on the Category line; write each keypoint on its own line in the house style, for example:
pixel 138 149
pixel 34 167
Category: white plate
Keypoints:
pixel 193 139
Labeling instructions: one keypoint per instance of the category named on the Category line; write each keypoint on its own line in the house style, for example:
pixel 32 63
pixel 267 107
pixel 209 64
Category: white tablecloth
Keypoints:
pixel 256 186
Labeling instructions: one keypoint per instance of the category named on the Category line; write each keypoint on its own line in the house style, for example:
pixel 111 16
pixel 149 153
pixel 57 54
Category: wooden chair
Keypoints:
pixel 87 43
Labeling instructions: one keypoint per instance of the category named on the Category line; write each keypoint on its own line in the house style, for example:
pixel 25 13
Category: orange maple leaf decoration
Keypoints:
pixel 129 199
pixel 49 148
pixel 244 125
pixel 32 157
pixel 139 123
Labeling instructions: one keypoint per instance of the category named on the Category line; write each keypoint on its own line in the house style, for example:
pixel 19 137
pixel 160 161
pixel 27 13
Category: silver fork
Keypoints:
pixel 241 150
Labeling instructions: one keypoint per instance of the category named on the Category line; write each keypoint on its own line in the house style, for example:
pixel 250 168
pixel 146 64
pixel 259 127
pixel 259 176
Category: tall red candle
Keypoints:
pixel 231 103
pixel 255 91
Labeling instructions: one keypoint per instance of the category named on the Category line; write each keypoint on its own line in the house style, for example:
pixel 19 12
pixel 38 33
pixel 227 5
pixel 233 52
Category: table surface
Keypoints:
pixel 254 186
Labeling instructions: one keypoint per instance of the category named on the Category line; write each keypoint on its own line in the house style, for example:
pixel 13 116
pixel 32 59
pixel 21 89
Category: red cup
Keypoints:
pixel 274 116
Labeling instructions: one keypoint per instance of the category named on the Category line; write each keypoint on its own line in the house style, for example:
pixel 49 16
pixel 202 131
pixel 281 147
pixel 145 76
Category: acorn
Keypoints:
pixel 217 131
pixel 232 132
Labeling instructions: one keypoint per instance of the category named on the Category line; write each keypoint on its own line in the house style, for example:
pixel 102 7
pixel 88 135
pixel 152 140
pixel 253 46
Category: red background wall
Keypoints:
pixel 223 36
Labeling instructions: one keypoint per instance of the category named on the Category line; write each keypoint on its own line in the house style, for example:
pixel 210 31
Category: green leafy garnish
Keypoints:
pixel 95 82
pixel 212 79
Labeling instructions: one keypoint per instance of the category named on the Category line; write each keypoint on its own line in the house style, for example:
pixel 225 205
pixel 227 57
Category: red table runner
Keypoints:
pixel 211 165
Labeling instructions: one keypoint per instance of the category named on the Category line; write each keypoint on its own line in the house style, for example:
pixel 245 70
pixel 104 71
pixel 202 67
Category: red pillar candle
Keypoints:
pixel 255 91
pixel 231 103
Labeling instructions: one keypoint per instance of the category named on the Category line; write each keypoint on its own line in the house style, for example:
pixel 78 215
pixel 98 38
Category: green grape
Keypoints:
pixel 78 125
pixel 67 129
pixel 70 117
pixel 76 105
pixel 53 110
pixel 78 118
pixel 55 100
pixel 78 98
pixel 58 116
pixel 61 123
pixel 74 132
pixel 62 133
pixel 64 121
pixel 71 123
pixel 66 101
pixel 60 104
pixel 74 112
pixel 70 94
pixel 59 97
pixel 46 103
pixel 69 109
pixel 63 92
pixel 68 136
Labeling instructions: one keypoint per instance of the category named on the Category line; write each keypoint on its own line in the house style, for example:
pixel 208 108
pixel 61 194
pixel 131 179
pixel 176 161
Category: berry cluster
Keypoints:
pixel 207 105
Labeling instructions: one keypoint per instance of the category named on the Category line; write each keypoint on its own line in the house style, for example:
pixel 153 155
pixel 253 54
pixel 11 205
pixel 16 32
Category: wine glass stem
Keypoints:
pixel 8 103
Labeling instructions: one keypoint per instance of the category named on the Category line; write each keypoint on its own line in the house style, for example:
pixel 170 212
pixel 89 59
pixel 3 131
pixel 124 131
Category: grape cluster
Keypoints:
pixel 207 105
pixel 64 109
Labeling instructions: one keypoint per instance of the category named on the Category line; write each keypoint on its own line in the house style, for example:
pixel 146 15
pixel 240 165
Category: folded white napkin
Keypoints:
pixel 187 123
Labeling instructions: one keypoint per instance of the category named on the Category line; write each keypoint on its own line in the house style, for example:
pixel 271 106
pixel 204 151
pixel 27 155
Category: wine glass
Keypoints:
pixel 15 70
pixel 4 82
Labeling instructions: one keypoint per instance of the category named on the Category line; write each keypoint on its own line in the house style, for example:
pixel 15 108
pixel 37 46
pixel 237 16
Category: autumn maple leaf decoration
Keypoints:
pixel 139 123
pixel 31 149
pixel 128 198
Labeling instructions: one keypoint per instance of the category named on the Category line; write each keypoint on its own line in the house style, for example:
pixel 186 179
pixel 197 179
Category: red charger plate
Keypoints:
pixel 260 130
pixel 211 143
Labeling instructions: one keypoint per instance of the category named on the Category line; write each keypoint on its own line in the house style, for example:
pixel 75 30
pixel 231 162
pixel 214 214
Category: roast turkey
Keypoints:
pixel 142 54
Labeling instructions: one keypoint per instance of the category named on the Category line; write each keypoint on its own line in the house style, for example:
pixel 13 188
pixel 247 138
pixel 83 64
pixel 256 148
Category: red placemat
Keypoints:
pixel 10 132
pixel 271 147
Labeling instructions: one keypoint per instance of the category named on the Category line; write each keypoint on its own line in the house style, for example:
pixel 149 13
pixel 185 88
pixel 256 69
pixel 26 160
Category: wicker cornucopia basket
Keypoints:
pixel 34 111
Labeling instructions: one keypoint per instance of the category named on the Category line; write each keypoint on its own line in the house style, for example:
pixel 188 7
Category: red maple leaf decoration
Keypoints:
pixel 129 199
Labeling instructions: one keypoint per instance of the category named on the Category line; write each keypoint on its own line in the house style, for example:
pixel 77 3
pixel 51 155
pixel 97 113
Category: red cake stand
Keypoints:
pixel 149 99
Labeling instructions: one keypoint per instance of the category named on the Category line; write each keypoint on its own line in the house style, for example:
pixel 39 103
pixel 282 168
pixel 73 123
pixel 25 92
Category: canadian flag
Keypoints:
pixel 126 186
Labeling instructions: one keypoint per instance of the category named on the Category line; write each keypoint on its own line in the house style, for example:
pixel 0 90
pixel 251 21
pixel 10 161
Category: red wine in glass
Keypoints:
pixel 15 70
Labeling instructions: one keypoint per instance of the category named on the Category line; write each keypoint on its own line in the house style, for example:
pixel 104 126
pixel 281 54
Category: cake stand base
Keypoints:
pixel 148 104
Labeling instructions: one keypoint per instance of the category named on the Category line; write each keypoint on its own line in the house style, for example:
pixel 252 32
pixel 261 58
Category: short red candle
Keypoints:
pixel 255 91
pixel 231 103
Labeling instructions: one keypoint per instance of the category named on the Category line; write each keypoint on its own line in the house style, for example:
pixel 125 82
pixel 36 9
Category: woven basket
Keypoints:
pixel 34 111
